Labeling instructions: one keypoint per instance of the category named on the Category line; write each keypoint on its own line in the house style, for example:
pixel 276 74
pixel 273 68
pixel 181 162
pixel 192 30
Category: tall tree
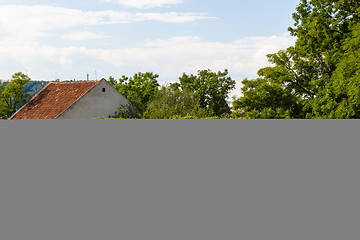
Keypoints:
pixel 277 93
pixel 323 29
pixel 341 97
pixel 13 95
pixel 211 89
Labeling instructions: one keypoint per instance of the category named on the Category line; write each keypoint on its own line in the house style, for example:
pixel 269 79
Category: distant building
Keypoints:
pixel 73 100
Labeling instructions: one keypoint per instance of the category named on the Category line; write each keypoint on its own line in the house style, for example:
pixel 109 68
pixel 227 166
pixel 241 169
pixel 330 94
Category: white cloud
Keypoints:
pixel 189 53
pixel 167 57
pixel 171 57
pixel 23 28
pixel 173 17
pixel 83 36
pixel 144 3
pixel 36 21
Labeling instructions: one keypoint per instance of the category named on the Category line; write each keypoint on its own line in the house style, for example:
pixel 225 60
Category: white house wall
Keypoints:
pixel 96 103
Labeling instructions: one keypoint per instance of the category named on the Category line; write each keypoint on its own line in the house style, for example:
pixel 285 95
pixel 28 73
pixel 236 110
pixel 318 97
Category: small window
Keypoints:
pixel 103 90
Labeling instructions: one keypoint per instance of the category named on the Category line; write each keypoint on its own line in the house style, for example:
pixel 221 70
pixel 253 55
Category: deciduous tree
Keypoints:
pixel 13 95
pixel 305 79
pixel 210 89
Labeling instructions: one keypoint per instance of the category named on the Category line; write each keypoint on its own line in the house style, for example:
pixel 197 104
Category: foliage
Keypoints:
pixel 33 87
pixel 13 95
pixel 279 92
pixel 126 112
pixel 199 96
pixel 171 101
pixel 139 89
pixel 188 116
pixel 210 90
pixel 318 77
pixel 341 96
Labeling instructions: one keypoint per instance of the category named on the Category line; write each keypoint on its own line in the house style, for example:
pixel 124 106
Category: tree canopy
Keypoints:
pixel 316 78
pixel 200 96
pixel 172 102
pixel 13 96
pixel 210 89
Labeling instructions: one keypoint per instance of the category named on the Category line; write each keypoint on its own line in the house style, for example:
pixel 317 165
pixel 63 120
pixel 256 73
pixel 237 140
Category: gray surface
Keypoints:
pixel 179 179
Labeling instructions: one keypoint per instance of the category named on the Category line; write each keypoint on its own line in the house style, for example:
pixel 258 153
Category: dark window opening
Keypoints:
pixel 103 90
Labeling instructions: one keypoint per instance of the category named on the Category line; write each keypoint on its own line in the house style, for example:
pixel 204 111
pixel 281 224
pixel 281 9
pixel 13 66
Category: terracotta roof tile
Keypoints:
pixel 54 99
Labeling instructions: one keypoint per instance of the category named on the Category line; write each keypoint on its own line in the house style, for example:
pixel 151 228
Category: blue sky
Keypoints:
pixel 68 39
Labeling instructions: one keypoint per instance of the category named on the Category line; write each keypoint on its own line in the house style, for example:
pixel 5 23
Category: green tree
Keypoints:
pixel 13 95
pixel 34 87
pixel 210 89
pixel 305 74
pixel 321 28
pixel 172 102
pixel 139 89
pixel 279 92
pixel 341 96
pixel 265 100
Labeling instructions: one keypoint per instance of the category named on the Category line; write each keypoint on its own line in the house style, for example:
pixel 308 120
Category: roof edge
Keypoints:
pixel 11 118
pixel 97 82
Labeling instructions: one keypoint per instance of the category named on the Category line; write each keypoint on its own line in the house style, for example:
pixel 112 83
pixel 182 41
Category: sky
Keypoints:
pixel 68 39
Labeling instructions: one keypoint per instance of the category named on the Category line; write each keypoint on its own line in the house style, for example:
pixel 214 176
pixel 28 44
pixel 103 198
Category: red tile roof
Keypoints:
pixel 54 99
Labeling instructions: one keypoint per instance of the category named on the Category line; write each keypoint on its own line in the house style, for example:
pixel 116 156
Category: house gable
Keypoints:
pixel 103 100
